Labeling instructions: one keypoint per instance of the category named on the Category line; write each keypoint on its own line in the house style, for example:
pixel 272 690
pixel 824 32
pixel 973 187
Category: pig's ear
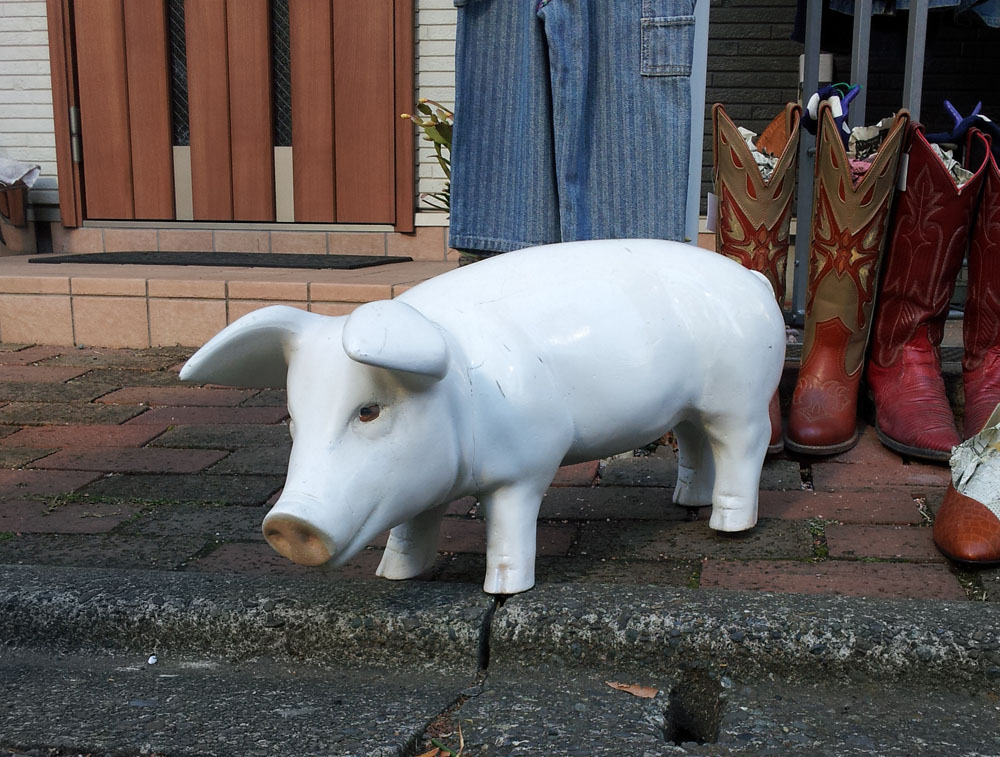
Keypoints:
pixel 252 351
pixel 391 334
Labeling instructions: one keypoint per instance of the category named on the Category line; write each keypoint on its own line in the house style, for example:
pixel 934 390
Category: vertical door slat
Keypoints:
pixel 405 158
pixel 208 109
pixel 364 116
pixel 251 129
pixel 104 124
pixel 149 108
pixel 311 35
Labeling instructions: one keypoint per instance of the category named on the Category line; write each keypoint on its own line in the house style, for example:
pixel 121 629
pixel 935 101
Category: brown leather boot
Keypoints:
pixel 981 362
pixel 847 238
pixel 967 527
pixel 930 234
pixel 754 213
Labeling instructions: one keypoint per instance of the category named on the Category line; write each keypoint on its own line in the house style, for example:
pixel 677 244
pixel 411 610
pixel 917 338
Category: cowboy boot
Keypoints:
pixel 931 231
pixel 847 238
pixel 967 527
pixel 754 213
pixel 981 362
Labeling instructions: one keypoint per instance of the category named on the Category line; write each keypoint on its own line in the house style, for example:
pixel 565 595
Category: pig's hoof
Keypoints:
pixel 503 579
pixel 732 518
pixel 398 566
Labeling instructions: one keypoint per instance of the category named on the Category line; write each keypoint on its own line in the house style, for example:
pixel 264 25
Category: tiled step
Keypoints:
pixel 155 306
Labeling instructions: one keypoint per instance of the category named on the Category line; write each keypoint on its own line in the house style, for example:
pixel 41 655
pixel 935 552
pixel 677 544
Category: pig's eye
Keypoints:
pixel 369 413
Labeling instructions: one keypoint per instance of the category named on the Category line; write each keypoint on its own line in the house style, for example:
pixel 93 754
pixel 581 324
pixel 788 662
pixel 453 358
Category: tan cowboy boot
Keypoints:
pixel 846 244
pixel 754 213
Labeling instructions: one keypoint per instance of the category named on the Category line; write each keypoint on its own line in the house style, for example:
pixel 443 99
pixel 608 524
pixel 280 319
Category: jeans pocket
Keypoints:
pixel 667 45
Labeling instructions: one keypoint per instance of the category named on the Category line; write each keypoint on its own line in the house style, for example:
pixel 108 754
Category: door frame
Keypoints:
pixel 65 106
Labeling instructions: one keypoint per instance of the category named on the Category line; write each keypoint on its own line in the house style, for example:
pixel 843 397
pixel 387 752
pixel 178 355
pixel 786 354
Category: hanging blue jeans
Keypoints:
pixel 572 121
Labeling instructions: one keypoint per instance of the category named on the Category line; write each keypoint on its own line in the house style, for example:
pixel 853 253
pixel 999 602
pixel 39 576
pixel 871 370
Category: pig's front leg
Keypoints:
pixel 412 546
pixel 695 466
pixel 511 521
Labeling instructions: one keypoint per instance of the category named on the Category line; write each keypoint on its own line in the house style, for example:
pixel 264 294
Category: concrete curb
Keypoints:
pixel 239 618
pixel 748 634
pixel 653 628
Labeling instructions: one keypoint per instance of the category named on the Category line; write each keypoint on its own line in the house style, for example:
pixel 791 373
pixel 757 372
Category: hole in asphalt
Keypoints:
pixel 694 711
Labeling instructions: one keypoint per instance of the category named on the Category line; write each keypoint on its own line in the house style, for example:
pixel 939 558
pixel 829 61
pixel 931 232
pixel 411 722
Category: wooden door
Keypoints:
pixel 186 105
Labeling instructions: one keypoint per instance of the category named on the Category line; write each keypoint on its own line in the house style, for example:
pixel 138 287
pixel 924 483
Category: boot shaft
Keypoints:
pixel 982 308
pixel 848 237
pixel 754 213
pixel 929 239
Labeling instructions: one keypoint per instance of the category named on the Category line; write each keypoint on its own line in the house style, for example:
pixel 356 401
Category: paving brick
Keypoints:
pixel 31 355
pixel 769 539
pixel 216 522
pixel 39 373
pixel 100 551
pixel 175 416
pixel 27 516
pixel 224 436
pixel 145 359
pixel 133 460
pixel 81 436
pixel 25 484
pixel 50 413
pixel 180 396
pixel 581 474
pixel 611 503
pixel 256 460
pixel 780 475
pixel 79 391
pixel 645 470
pixel 902 542
pixel 868 451
pixel 462 506
pixel 827 476
pixel 459 535
pixel 261 560
pixel 887 505
pixel 856 579
pixel 113 378
pixel 268 398
pixel 223 490
pixel 18 457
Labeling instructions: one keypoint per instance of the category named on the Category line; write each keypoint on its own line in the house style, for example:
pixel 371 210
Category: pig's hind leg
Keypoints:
pixel 739 443
pixel 412 546
pixel 695 466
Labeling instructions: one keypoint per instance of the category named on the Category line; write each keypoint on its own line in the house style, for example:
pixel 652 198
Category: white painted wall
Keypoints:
pixel 435 40
pixel 26 122
pixel 26 125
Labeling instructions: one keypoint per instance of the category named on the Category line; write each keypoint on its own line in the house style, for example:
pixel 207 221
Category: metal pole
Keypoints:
pixel 807 149
pixel 859 60
pixel 699 76
pixel 916 37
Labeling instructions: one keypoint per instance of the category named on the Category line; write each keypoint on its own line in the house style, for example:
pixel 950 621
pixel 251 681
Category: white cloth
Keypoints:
pixel 13 171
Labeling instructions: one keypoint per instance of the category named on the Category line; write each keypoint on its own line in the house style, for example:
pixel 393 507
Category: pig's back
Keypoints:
pixel 626 328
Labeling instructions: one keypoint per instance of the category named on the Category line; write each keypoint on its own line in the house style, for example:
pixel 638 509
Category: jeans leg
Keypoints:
pixel 621 103
pixel 503 193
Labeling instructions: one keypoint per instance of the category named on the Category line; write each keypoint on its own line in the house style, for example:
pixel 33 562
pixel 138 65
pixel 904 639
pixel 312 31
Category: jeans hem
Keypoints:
pixel 463 241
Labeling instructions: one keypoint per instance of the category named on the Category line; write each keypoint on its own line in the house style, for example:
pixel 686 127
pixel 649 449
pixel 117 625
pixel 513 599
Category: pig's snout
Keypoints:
pixel 296 539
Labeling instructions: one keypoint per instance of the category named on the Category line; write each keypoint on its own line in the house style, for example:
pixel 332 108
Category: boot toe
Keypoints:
pixel 966 530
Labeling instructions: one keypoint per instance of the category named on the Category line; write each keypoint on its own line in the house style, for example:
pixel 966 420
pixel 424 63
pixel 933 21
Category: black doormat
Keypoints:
pixel 229 259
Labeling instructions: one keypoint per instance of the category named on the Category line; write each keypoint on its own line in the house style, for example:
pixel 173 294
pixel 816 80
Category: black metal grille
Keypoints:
pixel 178 74
pixel 281 74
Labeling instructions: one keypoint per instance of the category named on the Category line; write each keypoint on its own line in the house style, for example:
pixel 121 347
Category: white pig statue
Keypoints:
pixel 486 379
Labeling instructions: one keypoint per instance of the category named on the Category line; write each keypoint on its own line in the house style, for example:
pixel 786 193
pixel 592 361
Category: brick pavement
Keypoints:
pixel 107 460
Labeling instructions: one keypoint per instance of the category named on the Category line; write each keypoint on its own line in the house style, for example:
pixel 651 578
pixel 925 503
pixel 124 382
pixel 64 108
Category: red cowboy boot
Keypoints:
pixel 967 527
pixel 754 213
pixel 929 239
pixel 981 362
pixel 845 248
